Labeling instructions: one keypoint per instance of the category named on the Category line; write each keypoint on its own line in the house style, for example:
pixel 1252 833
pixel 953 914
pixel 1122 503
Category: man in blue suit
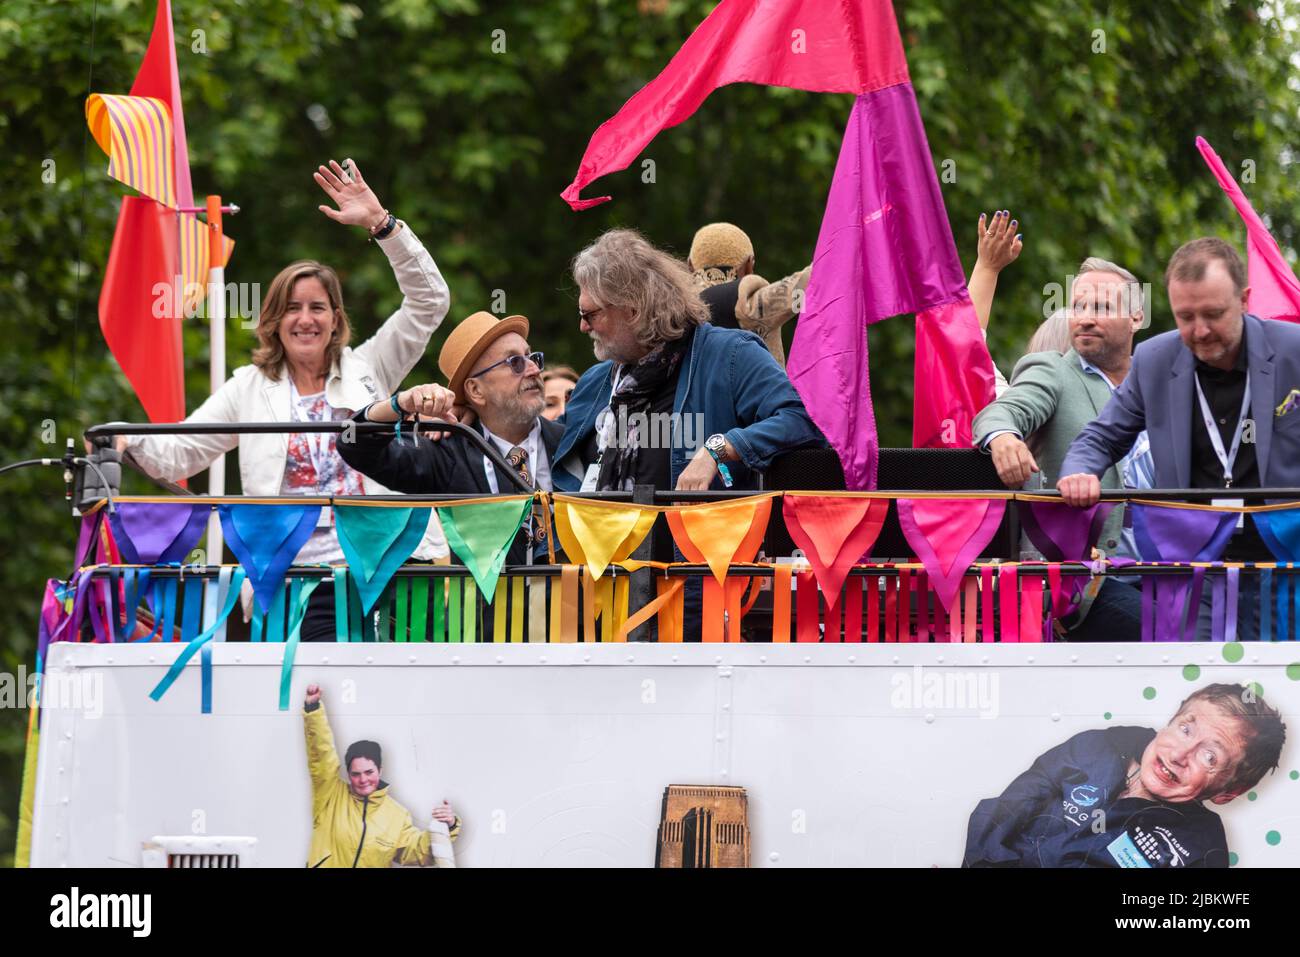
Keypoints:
pixel 1218 398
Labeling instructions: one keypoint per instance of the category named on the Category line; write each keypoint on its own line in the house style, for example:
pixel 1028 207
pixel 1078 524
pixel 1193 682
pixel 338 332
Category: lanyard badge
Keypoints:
pixel 1227 459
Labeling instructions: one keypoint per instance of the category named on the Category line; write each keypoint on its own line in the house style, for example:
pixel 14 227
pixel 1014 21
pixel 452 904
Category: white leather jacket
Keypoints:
pixel 371 371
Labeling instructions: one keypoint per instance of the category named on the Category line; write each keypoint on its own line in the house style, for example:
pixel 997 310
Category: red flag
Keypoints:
pixel 143 327
pixel 826 46
pixel 160 79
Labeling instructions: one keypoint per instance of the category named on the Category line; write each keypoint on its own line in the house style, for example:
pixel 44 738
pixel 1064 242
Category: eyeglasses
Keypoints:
pixel 1208 757
pixel 518 364
pixel 589 314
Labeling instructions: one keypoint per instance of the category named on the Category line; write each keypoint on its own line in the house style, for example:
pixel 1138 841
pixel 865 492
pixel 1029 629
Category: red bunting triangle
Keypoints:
pixel 834 532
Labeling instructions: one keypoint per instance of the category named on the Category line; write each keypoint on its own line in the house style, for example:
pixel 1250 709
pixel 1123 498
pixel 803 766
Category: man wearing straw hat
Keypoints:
pixel 491 371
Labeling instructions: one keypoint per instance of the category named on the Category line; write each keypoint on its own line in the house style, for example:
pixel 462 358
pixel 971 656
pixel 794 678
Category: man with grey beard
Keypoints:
pixel 1029 428
pixel 491 372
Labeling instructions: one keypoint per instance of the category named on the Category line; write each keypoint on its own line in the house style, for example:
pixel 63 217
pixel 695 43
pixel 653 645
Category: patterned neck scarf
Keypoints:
pixel 635 392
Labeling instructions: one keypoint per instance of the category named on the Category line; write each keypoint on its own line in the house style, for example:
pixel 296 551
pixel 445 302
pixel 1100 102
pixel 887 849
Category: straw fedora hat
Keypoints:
pixel 468 341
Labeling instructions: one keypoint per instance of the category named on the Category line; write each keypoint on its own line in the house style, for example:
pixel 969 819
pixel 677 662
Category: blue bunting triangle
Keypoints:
pixel 1281 532
pixel 266 539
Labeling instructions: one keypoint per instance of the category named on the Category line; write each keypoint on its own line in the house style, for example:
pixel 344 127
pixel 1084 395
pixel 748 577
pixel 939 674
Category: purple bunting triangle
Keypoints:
pixel 1165 534
pixel 1064 533
pixel 158 533
pixel 266 539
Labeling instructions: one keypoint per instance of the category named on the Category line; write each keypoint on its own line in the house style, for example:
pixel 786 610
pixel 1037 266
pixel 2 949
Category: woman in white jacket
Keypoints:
pixel 304 369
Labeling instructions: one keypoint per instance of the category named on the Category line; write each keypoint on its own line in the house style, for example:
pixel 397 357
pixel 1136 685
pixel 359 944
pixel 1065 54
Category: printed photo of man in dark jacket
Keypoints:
pixel 1133 796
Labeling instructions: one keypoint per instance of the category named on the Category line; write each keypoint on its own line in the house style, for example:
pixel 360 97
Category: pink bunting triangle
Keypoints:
pixel 947 535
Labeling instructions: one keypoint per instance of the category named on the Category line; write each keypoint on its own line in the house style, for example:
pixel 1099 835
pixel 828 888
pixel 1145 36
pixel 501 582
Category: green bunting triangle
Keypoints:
pixel 480 534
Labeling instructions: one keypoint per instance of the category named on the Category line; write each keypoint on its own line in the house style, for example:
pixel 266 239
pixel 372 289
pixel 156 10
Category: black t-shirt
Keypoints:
pixel 721 300
pixel 1224 390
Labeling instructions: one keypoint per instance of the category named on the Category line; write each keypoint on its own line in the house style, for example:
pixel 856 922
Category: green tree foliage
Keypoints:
pixel 469 118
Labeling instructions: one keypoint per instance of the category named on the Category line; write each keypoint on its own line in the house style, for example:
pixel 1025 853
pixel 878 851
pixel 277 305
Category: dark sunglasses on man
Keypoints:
pixel 518 364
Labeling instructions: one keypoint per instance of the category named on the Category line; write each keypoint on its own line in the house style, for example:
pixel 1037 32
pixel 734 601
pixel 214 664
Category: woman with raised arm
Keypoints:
pixel 305 370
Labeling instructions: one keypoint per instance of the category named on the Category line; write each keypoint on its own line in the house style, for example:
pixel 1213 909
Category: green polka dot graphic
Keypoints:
pixel 1274 838
pixel 1149 693
pixel 1191 672
pixel 1233 651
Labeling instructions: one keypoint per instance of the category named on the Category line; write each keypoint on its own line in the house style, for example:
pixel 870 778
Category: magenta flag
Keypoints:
pixel 1274 289
pixel 826 46
pixel 886 249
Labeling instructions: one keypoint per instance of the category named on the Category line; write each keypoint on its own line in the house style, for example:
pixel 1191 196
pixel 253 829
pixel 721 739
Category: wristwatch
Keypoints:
pixel 716 444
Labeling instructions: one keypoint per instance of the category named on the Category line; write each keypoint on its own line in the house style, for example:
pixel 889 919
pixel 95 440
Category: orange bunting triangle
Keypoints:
pixel 721 534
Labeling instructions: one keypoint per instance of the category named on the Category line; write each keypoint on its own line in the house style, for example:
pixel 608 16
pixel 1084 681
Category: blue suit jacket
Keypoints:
pixel 1159 395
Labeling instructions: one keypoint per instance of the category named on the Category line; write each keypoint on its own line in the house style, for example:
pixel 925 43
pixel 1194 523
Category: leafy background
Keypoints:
pixel 1091 148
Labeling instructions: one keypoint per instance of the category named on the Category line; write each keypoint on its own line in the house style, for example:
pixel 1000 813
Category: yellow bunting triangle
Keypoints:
pixel 597 534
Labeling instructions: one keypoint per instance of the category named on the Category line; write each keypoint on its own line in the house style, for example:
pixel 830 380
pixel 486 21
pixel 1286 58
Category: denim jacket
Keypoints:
pixel 731 382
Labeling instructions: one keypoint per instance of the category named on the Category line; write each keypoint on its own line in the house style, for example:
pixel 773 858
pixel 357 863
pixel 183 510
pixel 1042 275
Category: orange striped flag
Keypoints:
pixel 136 133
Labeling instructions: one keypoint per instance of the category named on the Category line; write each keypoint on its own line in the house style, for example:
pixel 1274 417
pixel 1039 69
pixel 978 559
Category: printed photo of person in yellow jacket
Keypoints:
pixel 355 823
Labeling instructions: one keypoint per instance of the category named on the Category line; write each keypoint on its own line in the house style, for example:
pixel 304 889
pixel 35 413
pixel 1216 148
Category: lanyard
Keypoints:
pixel 1229 458
pixel 317 442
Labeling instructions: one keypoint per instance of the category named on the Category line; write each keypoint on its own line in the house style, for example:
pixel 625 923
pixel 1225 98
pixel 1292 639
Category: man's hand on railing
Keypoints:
pixel 428 401
pixel 1012 459
pixel 1081 491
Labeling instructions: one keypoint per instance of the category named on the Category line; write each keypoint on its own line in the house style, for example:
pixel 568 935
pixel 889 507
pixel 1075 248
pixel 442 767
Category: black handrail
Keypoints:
pixel 739 570
pixel 98 434
pixel 102 434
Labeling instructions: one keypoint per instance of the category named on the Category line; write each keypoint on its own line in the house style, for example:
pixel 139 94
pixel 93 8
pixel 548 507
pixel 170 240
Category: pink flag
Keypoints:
pixel 826 46
pixel 886 249
pixel 1274 289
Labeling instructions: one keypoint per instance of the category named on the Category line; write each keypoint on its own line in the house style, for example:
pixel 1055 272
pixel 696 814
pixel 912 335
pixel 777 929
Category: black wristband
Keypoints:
pixel 387 229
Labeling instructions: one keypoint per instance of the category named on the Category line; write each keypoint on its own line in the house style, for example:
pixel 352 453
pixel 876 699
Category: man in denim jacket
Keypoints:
pixel 675 402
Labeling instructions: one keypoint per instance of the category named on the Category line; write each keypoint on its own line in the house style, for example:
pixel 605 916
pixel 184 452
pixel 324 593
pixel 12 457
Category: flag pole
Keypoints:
pixel 216 358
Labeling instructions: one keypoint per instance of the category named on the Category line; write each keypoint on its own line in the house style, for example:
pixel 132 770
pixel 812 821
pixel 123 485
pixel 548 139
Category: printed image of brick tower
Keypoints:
pixel 703 827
